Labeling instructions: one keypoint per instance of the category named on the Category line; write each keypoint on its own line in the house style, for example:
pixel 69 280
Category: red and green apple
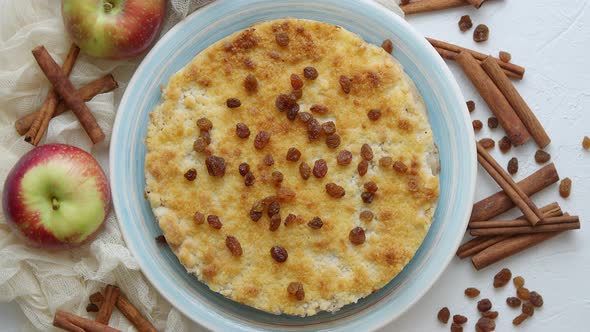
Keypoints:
pixel 113 28
pixel 56 196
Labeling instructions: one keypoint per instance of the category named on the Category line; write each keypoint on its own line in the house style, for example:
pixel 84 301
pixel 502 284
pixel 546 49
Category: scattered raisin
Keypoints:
pixel 215 166
pixel 204 124
pixel 200 145
pixel 319 109
pixel 296 93
pixel 333 141
pixel 160 239
pixel 275 222
pixel 443 315
pixel 366 152
pixel 536 299
pixel 477 125
pixel 242 130
pixel 387 45
pixel 512 166
pixel 233 103
pixel 296 82
pixel 586 143
pixel 470 105
pixel 296 289
pixel 233 245
pixel 198 218
pixel 314 130
pixel 291 218
pixel 471 292
pixel 400 167
pixel 504 144
pixel 292 112
pixel 282 39
pixel 366 216
pixel 385 162
pixel 368 197
pixel 335 190
pixel 315 223
pixel 519 319
pixel 206 136
pixel 345 84
pixel 249 179
pixel 251 83
pixel 277 177
pixel 285 194
pixel 374 114
pixel 293 154
pixel 92 307
pixel 485 324
pixel 528 309
pixel 502 278
pixel 191 174
pixel 484 305
pixel 518 282
pixel 481 33
pixel 371 187
pixel 357 236
pixel 487 143
pixel 505 56
pixel 565 187
pixel 344 158
pixel 465 23
pixel 459 319
pixel 542 157
pixel 493 122
pixel 304 117
pixel 310 73
pixel 513 302
pixel 261 140
pixel 244 168
pixel 320 168
pixel 214 221
pixel 456 327
pixel 279 254
pixel 268 160
pixel 363 167
pixel 273 208
pixel 329 127
pixel 304 170
pixel 490 314
pixel 523 293
pixel 284 102
pixel 256 210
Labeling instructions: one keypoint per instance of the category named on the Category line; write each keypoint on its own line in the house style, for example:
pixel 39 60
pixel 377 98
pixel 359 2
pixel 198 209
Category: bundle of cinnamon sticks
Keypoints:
pixel 421 6
pixel 63 96
pixel 106 302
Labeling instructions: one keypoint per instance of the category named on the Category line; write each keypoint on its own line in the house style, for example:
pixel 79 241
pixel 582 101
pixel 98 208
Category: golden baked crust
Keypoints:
pixel 333 271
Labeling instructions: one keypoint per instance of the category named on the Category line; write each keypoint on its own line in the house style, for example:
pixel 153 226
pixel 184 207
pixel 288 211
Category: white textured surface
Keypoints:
pixel 552 39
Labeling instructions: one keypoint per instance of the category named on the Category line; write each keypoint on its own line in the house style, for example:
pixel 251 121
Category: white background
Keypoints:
pixel 551 38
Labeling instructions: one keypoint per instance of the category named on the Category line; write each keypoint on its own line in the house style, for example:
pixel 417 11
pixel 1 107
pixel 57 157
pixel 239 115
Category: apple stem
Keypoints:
pixel 108 6
pixel 54 203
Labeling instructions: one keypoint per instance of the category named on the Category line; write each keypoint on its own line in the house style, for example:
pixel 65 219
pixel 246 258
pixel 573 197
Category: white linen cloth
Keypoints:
pixel 38 280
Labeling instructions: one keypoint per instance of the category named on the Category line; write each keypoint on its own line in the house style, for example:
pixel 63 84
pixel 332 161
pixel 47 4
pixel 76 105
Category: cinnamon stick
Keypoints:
pixel 64 87
pixel 39 126
pixel 498 203
pixel 514 128
pixel 516 199
pixel 451 52
pixel 523 111
pixel 521 223
pixel 134 316
pixel 74 323
pixel 431 5
pixel 104 84
pixel 480 243
pixel 556 227
pixel 509 247
pixel 111 295
pixel 510 182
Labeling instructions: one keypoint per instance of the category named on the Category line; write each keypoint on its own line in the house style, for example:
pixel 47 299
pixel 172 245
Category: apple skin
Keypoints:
pixel 114 29
pixel 56 196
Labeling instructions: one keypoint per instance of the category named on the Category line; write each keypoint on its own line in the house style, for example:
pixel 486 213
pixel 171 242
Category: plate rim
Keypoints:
pixel 454 87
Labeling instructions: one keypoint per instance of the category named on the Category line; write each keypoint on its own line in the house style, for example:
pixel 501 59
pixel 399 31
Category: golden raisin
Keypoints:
pixel 512 166
pixel 484 305
pixel 528 309
pixel 586 143
pixel 400 167
pixel 320 168
pixel 387 45
pixel 329 127
pixel 285 194
pixel 536 299
pixel 256 210
pixel 335 190
pixel 244 168
pixel 374 114
pixel 487 143
pixel 273 208
pixel 367 197
pixel 261 139
pixel 296 82
pixel 459 319
pixel 295 289
pixel 200 145
pixel 519 319
pixel 199 218
pixel 366 152
pixel 344 158
pixel 284 102
pixel 292 112
pixel 565 187
pixel 333 141
pixel 310 73
pixel 315 223
pixel 293 154
pixel 477 125
pixel 363 167
pixel 345 84
pixel 513 302
pixel 277 177
pixel 485 324
pixel 214 221
pixel 542 157
pixel 385 161
pixel 291 218
pixel 204 124
pixel 490 314
pixel 443 315
pixel 505 56
pixel 268 160
pixel 233 245
pixel 191 174
pixel 481 33
pixel 251 83
pixel 318 108
pixel 371 187
pixel 282 39
pixel 470 105
pixel 366 216
pixel 493 122
pixel 518 281
pixel 275 222
pixel 215 166
pixel 279 254
pixel 523 293
pixel 249 179
pixel 304 170
pixel 502 278
pixel 304 117
pixel 471 292
pixel 465 23
pixel 357 236
pixel 242 130
pixel 233 103
pixel 314 130
pixel 504 144
pixel 456 327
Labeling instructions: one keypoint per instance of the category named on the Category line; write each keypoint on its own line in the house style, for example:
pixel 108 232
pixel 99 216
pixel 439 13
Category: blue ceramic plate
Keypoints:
pixel 448 117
